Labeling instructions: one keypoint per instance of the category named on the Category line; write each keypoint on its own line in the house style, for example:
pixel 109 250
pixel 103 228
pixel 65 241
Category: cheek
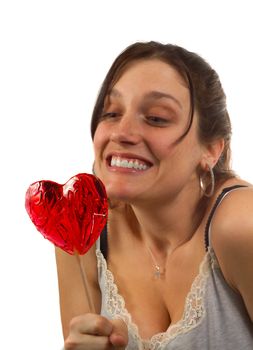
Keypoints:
pixel 163 149
pixel 161 144
pixel 99 140
pixel 186 151
pixel 190 154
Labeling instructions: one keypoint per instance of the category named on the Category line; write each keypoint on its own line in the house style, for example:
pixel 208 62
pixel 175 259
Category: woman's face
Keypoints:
pixel 136 154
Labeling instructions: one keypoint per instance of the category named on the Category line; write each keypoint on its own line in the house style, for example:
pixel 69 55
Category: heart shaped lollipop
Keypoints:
pixel 72 215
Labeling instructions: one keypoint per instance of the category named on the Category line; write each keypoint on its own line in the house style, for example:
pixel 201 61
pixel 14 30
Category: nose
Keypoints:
pixel 127 130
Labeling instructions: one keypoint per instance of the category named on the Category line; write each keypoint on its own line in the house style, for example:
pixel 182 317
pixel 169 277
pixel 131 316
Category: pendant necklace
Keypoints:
pixel 159 271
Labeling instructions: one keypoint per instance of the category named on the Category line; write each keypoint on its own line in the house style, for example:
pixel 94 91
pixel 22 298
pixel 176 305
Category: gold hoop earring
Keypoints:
pixel 204 184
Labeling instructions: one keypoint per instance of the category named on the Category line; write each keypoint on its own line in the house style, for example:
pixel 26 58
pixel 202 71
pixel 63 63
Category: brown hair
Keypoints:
pixel 206 93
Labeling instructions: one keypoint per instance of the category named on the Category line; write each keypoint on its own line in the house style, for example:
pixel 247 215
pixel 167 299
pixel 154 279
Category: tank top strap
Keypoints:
pixel 104 242
pixel 219 199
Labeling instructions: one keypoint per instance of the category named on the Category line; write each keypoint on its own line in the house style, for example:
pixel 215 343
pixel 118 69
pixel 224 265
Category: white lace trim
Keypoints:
pixel 194 310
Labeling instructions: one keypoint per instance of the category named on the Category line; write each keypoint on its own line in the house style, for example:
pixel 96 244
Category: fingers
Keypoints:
pixel 91 324
pixel 89 332
pixel 119 334
pixel 87 342
pixel 94 332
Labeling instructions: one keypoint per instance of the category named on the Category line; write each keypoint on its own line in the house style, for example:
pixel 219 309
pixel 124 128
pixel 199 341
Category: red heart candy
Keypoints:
pixel 72 215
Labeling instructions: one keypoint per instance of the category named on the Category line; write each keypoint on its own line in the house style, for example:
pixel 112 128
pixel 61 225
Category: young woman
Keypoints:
pixel 173 268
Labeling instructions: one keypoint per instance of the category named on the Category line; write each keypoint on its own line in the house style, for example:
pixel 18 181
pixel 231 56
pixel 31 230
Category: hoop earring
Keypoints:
pixel 93 169
pixel 211 183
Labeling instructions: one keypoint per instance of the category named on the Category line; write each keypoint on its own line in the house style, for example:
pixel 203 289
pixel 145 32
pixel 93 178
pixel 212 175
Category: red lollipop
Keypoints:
pixel 72 215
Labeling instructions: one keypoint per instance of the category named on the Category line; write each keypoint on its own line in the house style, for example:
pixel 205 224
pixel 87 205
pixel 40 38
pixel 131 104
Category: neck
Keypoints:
pixel 165 227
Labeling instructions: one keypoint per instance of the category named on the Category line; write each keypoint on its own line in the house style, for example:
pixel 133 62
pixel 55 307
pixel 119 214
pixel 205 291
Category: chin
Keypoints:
pixel 120 193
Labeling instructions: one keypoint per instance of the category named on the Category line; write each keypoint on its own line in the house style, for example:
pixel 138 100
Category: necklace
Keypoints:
pixel 159 272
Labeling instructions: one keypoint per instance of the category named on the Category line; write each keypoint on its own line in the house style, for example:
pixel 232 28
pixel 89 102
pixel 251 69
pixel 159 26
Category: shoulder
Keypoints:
pixel 233 217
pixel 232 241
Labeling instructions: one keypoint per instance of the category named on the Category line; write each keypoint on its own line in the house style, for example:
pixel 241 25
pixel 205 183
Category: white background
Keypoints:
pixel 54 55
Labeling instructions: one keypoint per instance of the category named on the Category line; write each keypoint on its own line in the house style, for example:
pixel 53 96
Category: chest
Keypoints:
pixel 154 302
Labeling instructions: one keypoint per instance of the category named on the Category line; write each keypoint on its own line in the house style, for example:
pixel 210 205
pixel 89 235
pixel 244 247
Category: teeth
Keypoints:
pixel 131 164
pixel 118 162
pixel 113 161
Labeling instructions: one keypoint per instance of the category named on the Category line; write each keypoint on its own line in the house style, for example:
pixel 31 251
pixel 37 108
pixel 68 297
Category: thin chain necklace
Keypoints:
pixel 159 272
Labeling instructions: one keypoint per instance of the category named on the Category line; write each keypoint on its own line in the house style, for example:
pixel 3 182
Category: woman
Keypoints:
pixel 173 269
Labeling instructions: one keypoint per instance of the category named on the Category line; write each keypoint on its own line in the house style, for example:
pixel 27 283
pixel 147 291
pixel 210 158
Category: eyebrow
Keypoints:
pixel 152 95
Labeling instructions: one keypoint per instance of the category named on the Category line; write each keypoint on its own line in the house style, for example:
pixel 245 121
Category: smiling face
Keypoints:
pixel 136 153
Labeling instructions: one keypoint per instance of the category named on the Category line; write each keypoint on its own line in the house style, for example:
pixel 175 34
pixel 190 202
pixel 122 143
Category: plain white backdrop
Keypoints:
pixel 54 55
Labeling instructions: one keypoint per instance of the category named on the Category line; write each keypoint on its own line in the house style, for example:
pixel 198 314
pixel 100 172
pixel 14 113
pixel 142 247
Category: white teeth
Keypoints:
pixel 136 165
pixel 125 163
pixel 118 162
pixel 113 161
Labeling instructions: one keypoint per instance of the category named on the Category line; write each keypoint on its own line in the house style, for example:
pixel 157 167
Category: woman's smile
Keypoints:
pixel 127 163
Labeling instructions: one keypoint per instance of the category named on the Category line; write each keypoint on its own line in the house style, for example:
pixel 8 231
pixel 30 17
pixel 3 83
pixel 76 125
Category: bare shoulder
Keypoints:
pixel 232 241
pixel 234 216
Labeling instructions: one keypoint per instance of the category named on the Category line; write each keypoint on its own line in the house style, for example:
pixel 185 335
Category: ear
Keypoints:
pixel 212 153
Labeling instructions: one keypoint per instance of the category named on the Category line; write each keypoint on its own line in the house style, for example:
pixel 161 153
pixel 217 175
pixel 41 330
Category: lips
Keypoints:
pixel 128 161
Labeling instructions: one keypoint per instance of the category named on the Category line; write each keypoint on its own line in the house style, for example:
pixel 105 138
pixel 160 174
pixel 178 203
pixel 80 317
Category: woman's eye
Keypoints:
pixel 108 115
pixel 159 121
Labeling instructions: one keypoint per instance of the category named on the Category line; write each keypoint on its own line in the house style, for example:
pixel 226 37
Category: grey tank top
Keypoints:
pixel 214 315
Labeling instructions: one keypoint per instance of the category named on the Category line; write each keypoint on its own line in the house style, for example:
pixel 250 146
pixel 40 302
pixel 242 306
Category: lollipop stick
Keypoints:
pixel 86 285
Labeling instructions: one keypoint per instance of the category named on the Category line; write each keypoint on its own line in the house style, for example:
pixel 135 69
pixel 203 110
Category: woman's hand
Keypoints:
pixel 94 332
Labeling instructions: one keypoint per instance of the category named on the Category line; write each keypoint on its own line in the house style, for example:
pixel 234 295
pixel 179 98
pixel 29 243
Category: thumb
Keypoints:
pixel 119 334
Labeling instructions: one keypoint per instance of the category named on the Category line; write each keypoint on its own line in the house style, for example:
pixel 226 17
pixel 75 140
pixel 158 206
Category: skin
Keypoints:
pixel 139 124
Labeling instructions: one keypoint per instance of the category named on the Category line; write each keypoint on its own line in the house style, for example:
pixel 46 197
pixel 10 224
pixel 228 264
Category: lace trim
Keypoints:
pixel 194 310
pixel 213 259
